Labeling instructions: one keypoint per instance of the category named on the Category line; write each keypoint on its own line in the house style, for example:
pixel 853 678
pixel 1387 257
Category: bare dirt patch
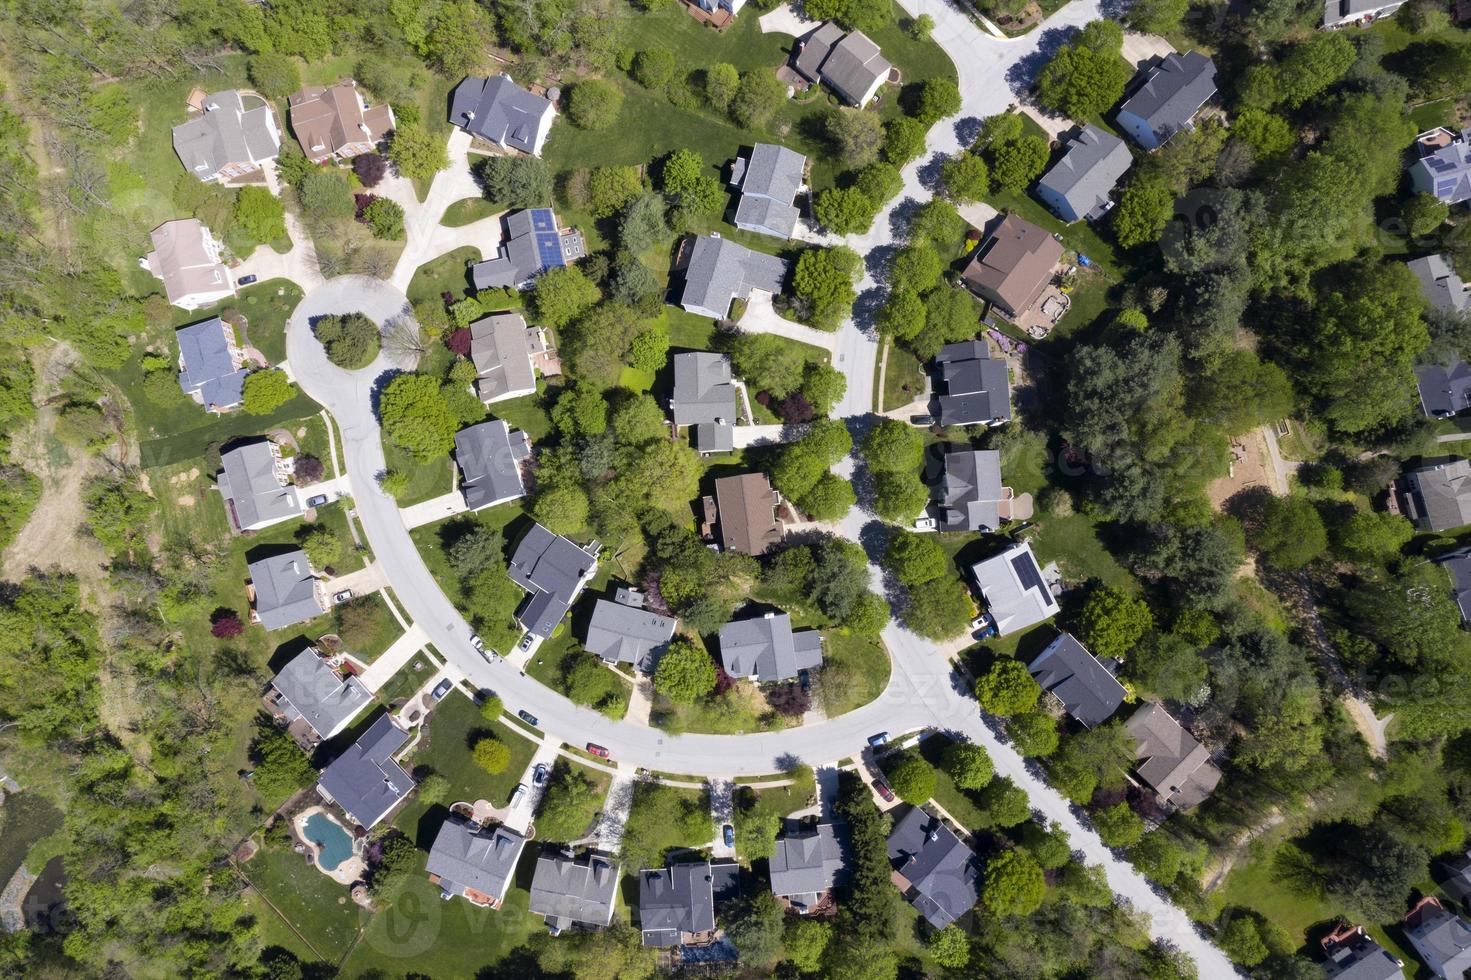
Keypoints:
pixel 185 501
pixel 1250 467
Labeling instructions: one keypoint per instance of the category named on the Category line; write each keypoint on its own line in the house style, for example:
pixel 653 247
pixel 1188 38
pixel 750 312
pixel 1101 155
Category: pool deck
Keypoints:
pixel 351 869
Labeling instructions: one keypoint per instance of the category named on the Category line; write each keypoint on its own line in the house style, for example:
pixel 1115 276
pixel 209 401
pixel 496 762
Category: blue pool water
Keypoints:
pixel 327 834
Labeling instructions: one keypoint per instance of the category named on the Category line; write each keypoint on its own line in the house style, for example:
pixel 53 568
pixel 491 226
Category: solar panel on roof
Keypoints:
pixel 549 249
pixel 1445 187
pixel 1027 573
pixel 541 220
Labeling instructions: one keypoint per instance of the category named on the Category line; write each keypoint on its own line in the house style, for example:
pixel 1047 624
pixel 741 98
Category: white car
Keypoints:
pixel 517 796
pixel 341 597
pixel 925 524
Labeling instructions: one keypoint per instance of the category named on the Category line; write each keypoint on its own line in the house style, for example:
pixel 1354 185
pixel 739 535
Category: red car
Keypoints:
pixel 883 790
pixel 597 750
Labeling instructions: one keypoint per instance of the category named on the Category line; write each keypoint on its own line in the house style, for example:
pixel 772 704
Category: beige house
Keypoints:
pixel 337 121
pixel 187 258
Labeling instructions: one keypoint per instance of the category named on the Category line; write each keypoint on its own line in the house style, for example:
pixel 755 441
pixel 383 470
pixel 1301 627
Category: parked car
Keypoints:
pixel 246 280
pixel 342 596
pixel 597 750
pixel 441 689
pixel 528 717
pixel 925 524
pixel 983 627
pixel 517 796
pixel 882 788
pixel 317 500
pixel 921 420
pixel 805 680
pixel 874 741
pixel 539 774
pixel 525 643
pixel 477 643
pixel 728 834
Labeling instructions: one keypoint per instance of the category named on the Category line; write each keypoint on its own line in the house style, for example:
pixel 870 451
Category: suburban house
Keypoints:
pixel 718 271
pixel 1172 93
pixel 676 905
pixel 533 244
pixel 1078 186
pixel 284 591
pixel 1011 584
pixel 808 864
pixel 472 863
pixel 1457 883
pixel 187 258
pixel 1341 13
pixel 499 111
pixel 970 496
pixel 569 891
pixel 489 455
pixel 939 875
pixel 767 650
pixel 622 631
pixel 1444 167
pixel 554 570
pixel 974 388
pixel 310 693
pixel 1442 287
pixel 769 181
pixel 1174 764
pixel 1084 687
pixel 1012 266
pixel 1349 954
pixel 227 140
pixel 849 64
pixel 501 345
pixel 705 397
pixel 1445 389
pixel 210 364
pixel 1436 497
pixel 253 481
pixel 1458 564
pixel 719 12
pixel 335 121
pixel 1442 939
pixel 365 781
pixel 745 513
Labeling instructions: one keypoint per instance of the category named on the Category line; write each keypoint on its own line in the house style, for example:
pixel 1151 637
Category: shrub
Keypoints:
pixel 492 755
pixel 370 169
pixel 274 75
pixel 266 391
pixel 594 104
pixel 352 340
pixel 226 625
pixel 324 194
pixel 385 218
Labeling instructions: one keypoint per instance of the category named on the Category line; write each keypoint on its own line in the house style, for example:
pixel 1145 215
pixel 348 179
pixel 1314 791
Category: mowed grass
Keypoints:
pixel 453 729
pixel 1073 542
pixel 426 480
pixel 377 630
pixel 904 378
pixel 855 670
pixel 468 211
pixel 447 274
pixel 318 907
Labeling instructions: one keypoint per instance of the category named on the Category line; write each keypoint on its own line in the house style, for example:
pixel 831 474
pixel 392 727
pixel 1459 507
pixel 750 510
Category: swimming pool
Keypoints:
pixel 334 843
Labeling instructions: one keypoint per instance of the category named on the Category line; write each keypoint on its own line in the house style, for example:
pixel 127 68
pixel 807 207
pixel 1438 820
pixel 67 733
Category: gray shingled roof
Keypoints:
pixel 809 862
pixel 715 437
pixel 1174 763
pixel 285 590
pixel 720 271
pixel 1458 563
pixel 1360 958
pixel 768 649
pixel 208 369
pixel 500 111
pixel 974 388
pixel 553 569
pixel 1086 688
pixel 674 900
pixel 769 183
pixel 1440 284
pixel 815 48
pixel 1438 497
pixel 254 496
pixel 318 695
pixel 703 391
pixel 500 347
pixel 568 891
pixel 1444 389
pixel 625 632
pixel 944 873
pixel 1442 939
pixel 1015 594
pixel 364 780
pixel 227 134
pixel 970 490
pixel 466 857
pixel 1087 172
pixel 853 66
pixel 489 455
pixel 1173 92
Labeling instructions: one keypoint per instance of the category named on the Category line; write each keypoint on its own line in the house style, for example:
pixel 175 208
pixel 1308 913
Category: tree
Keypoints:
pixel 756 929
pixel 902 314
pixel 385 218
pixel 1080 82
pixel 912 778
pixel 417 153
pixel 938 98
pixel 568 805
pixel 580 410
pixel 1118 826
pixel 641 225
pixel 352 340
pixel 281 768
pixel 757 97
pixel 459 35
pixel 806 941
pixel 1008 688
pixel 610 188
pixel 1291 532
pixel 968 764
pixel 845 210
pixel 917 266
pixel 721 83
pixel 1034 734
pixel 1372 535
pixel 765 362
pixel 1424 213
pixel 562 509
pixel 1014 884
pixel 1240 940
pixel 226 625
pixel 915 559
pixel 416 417
pixel 893 446
pixel 941 610
pixel 323 194
pixel 266 391
pixel 492 708
pixel 492 755
pixel 920 29
pixel 1112 621
pixel 855 134
pixel 516 182
pixel 395 863
pixel 966 178
pixel 594 104
pixel 274 75
pixel 903 139
pixel 370 169
pixel 654 67
pixel 1143 211
pixel 260 214
pixel 321 544
pixel 824 284
pixel 950 947
pixel 561 294
pixel 1156 16
pixel 685 673
pixel 1016 163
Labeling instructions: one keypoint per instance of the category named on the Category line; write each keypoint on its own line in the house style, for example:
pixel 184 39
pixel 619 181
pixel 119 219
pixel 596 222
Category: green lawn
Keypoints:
pixel 528 413
pixel 410 677
pixel 426 480
pixel 955 800
pixel 740 710
pixel 1089 301
pixel 454 727
pixel 904 378
pixel 446 274
pixel 1073 542
pixel 855 670
pixel 318 907
pixel 266 307
pixel 688 330
pixel 377 630
pixel 468 211
pixel 555 659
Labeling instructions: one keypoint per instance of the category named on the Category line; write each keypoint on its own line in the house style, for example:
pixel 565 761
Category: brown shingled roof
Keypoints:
pixel 326 120
pixel 1014 264
pixel 747 513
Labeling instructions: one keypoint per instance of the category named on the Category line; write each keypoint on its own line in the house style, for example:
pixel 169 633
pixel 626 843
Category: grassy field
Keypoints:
pixel 314 904
pixel 426 480
pixel 446 274
pixel 454 728
pixel 1073 542
pixel 468 211
pixel 855 670
pixel 375 633
pixel 527 413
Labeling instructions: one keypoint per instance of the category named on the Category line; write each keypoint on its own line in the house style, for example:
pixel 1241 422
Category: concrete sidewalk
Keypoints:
pixel 391 661
pixel 435 509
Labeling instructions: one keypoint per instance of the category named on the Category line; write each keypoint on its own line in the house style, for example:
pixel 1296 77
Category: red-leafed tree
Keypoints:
pixel 458 341
pixel 226 625
pixel 370 168
pixel 309 469
pixel 789 699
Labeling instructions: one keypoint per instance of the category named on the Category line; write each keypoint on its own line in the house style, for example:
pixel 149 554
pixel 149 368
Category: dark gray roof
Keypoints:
pixel 318 695
pixel 533 245
pixel 853 66
pixel 1173 92
pixel 567 890
pixel 500 111
pixel 970 490
pixel 1440 284
pixel 768 649
pixel 674 900
pixel 815 48
pixel 627 633
pixel 254 495
pixel 944 873
pixel 285 590
pixel 1088 171
pixel 225 133
pixel 1458 563
pixel 1086 688
pixel 974 388
pixel 1444 389
pixel 703 391
pixel 715 437
pixel 1438 497
pixel 1174 763
pixel 1011 584
pixel 1442 939
pixel 489 455
pixel 720 271
pixel 1360 958
pixel 807 863
pixel 364 780
pixel 465 856
pixel 1458 877
pixel 769 183
pixel 553 569
pixel 208 368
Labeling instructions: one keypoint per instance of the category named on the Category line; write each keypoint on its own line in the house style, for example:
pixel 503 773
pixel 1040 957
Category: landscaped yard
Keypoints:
pixel 426 480
pixel 314 904
pixel 1078 236
pixel 855 670
pixel 904 378
pixel 1073 542
pixel 740 710
pixel 446 274
pixel 453 729
pixel 410 677
pixel 468 211
pixel 598 686
pixel 370 629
